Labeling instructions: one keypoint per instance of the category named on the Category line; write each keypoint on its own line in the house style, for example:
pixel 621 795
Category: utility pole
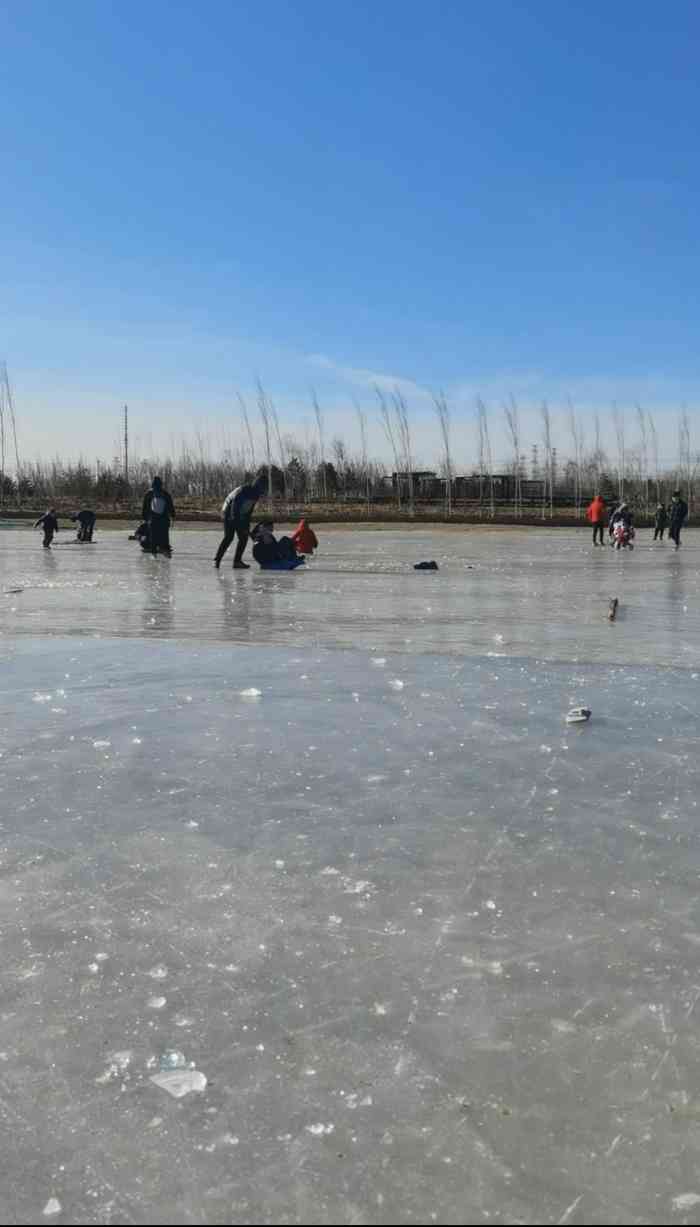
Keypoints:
pixel 126 446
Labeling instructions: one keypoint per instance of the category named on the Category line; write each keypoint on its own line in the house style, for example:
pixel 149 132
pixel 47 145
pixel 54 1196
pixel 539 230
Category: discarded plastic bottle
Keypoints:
pixel 172 1059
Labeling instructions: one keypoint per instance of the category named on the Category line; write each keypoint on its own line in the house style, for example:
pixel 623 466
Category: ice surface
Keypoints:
pixel 435 951
pixel 528 591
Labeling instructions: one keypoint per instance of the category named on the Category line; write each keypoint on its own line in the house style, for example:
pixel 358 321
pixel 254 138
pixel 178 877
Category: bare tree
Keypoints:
pixel 282 451
pixel 387 425
pixel 2 445
pixel 643 456
pixel 404 433
pixel 577 438
pixel 362 421
pixel 442 410
pixel 548 486
pixel 655 455
pixel 485 456
pixel 246 423
pixel 685 467
pixel 264 410
pixel 619 421
pixel 9 422
pixel 513 423
pixel 321 442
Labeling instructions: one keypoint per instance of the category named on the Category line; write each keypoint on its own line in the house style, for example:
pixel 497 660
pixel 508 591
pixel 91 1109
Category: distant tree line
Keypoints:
pixel 320 472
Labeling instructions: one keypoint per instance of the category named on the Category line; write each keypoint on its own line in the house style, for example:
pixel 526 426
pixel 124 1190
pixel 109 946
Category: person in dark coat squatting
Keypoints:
pixel 86 524
pixel 158 511
pixel 237 511
pixel 49 523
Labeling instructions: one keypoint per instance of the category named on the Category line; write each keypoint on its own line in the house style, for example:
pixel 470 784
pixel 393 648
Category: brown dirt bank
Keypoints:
pixel 336 514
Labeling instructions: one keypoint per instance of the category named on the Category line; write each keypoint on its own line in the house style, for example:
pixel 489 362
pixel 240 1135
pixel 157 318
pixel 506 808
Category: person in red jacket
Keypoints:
pixel 595 512
pixel 304 538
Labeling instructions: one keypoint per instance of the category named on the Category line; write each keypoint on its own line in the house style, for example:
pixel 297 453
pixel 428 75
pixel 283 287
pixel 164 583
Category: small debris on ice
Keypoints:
pixel 578 715
pixel 118 1064
pixel 251 693
pixel 53 1206
pixel 319 1129
pixel 684 1201
pixel 179 1082
pixel 172 1059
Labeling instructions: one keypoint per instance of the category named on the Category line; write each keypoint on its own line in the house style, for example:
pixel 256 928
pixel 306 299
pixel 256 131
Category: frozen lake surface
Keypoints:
pixel 429 953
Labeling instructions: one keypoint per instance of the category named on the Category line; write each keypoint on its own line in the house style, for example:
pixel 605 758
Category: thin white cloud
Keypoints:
pixel 363 377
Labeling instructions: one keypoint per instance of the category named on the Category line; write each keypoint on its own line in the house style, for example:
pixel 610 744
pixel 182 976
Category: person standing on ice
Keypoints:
pixel 660 522
pixel 49 523
pixel 595 512
pixel 237 510
pixel 158 511
pixel 678 517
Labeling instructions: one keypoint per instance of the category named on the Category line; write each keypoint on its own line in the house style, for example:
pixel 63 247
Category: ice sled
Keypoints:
pixel 282 564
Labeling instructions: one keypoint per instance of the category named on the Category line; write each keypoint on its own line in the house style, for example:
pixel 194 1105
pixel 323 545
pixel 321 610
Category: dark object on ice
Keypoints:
pixel 283 564
pixel 140 533
pixel 612 611
pixel 578 715
pixel 425 566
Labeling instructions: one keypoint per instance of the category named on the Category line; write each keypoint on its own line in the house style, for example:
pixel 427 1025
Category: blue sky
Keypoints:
pixel 490 200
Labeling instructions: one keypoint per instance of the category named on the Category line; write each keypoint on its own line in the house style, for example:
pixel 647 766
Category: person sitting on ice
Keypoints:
pixel 86 523
pixel 266 547
pixel 140 533
pixel 304 538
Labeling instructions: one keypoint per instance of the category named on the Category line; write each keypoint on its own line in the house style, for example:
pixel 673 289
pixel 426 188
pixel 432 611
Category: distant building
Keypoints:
pixel 426 483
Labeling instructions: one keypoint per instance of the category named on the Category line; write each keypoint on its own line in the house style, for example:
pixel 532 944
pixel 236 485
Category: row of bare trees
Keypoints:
pixel 317 470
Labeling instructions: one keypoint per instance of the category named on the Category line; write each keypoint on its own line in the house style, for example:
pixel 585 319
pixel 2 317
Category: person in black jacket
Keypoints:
pixel 49 523
pixel 237 512
pixel 678 517
pixel 86 523
pixel 158 511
